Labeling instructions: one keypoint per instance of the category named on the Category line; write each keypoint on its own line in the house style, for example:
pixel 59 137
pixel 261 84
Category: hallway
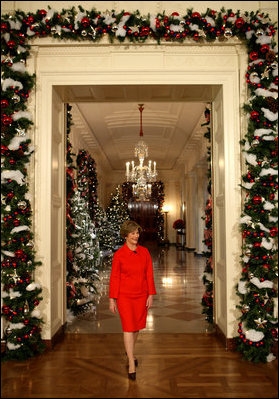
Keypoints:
pixel 179 357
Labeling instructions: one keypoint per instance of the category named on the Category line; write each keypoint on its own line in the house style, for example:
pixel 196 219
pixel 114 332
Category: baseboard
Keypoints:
pixel 229 343
pixel 58 337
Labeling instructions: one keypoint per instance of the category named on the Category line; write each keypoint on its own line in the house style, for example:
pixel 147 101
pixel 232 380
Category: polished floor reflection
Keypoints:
pixel 176 307
pixel 177 357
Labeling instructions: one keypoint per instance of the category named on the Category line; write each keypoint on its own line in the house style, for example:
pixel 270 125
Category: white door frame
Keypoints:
pixel 65 65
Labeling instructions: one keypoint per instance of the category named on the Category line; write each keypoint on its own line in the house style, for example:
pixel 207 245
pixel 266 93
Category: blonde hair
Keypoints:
pixel 128 227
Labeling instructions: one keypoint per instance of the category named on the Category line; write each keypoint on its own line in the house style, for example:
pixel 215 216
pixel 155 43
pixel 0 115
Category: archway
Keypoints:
pixel 57 68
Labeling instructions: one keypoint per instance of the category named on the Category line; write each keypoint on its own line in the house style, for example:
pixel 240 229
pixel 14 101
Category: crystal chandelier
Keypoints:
pixel 141 175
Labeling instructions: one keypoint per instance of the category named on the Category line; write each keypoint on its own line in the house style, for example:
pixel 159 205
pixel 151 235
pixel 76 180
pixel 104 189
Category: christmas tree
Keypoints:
pixel 117 213
pixel 103 229
pixel 88 180
pixel 85 258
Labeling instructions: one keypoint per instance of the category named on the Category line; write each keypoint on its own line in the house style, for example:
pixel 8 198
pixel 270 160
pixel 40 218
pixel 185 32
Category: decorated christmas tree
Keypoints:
pixel 103 230
pixel 70 225
pixel 85 258
pixel 88 180
pixel 117 213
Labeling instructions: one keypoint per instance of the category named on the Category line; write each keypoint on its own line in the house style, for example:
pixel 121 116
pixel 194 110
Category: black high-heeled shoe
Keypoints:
pixel 132 376
pixel 136 364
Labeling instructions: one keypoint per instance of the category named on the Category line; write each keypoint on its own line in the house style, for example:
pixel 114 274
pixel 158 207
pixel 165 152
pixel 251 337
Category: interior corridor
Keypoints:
pixel 176 307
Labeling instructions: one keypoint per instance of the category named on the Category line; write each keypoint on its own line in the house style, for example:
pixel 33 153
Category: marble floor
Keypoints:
pixel 176 307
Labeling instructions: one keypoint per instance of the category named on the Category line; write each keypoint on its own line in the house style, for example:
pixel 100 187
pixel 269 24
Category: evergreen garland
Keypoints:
pixel 257 328
pixel 207 299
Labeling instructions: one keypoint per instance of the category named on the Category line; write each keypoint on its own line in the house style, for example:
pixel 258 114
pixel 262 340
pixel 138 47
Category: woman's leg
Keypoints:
pixel 136 333
pixel 129 346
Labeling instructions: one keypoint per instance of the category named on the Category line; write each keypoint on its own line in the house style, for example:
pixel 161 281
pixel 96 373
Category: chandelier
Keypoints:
pixel 141 176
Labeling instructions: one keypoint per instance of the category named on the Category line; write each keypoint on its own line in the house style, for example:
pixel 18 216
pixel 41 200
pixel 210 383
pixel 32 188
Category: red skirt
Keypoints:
pixel 133 312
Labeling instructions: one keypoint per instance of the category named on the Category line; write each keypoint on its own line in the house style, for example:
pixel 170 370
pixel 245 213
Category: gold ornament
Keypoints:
pixel 245 308
pixel 201 32
pixel 134 29
pixel 22 204
pixel 265 73
pixel 260 323
pixel 8 331
pixel 259 32
pixel 26 308
pixel 228 33
pixel 20 132
pixel 16 98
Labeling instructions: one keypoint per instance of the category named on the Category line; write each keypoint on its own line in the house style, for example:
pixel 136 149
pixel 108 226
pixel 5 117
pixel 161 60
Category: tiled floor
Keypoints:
pixel 176 307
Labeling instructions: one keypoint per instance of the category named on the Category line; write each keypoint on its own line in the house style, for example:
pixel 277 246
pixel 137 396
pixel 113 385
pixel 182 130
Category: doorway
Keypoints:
pixel 144 213
pixel 56 71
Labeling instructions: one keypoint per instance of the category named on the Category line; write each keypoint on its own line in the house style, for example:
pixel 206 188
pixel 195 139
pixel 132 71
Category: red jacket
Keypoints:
pixel 131 273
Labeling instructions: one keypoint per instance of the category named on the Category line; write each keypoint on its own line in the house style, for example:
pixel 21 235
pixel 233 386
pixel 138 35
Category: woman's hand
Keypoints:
pixel 149 301
pixel 112 305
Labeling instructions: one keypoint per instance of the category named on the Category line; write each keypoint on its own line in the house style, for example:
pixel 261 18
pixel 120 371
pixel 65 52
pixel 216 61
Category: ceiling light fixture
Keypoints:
pixel 141 176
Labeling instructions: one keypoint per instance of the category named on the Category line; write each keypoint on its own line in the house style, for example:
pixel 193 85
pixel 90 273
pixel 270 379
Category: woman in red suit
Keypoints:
pixel 131 288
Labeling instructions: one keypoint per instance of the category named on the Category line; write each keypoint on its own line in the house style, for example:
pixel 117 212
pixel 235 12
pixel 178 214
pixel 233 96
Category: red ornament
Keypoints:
pixel 7 120
pixel 4 27
pixel 254 55
pixel 126 13
pixel 257 244
pixel 4 103
pixel 11 43
pixel 175 14
pixel 42 13
pixel 5 309
pixel 196 15
pixel 265 48
pixel 239 23
pixel 257 199
pixel 3 149
pixel 30 19
pixel 274 231
pixel 19 253
pixel 254 115
pixel 85 22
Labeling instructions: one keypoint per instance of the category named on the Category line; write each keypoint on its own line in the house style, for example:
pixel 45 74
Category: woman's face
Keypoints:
pixel 132 238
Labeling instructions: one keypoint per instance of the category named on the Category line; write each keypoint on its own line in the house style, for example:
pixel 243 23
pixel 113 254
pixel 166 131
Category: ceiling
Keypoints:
pixel 108 118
